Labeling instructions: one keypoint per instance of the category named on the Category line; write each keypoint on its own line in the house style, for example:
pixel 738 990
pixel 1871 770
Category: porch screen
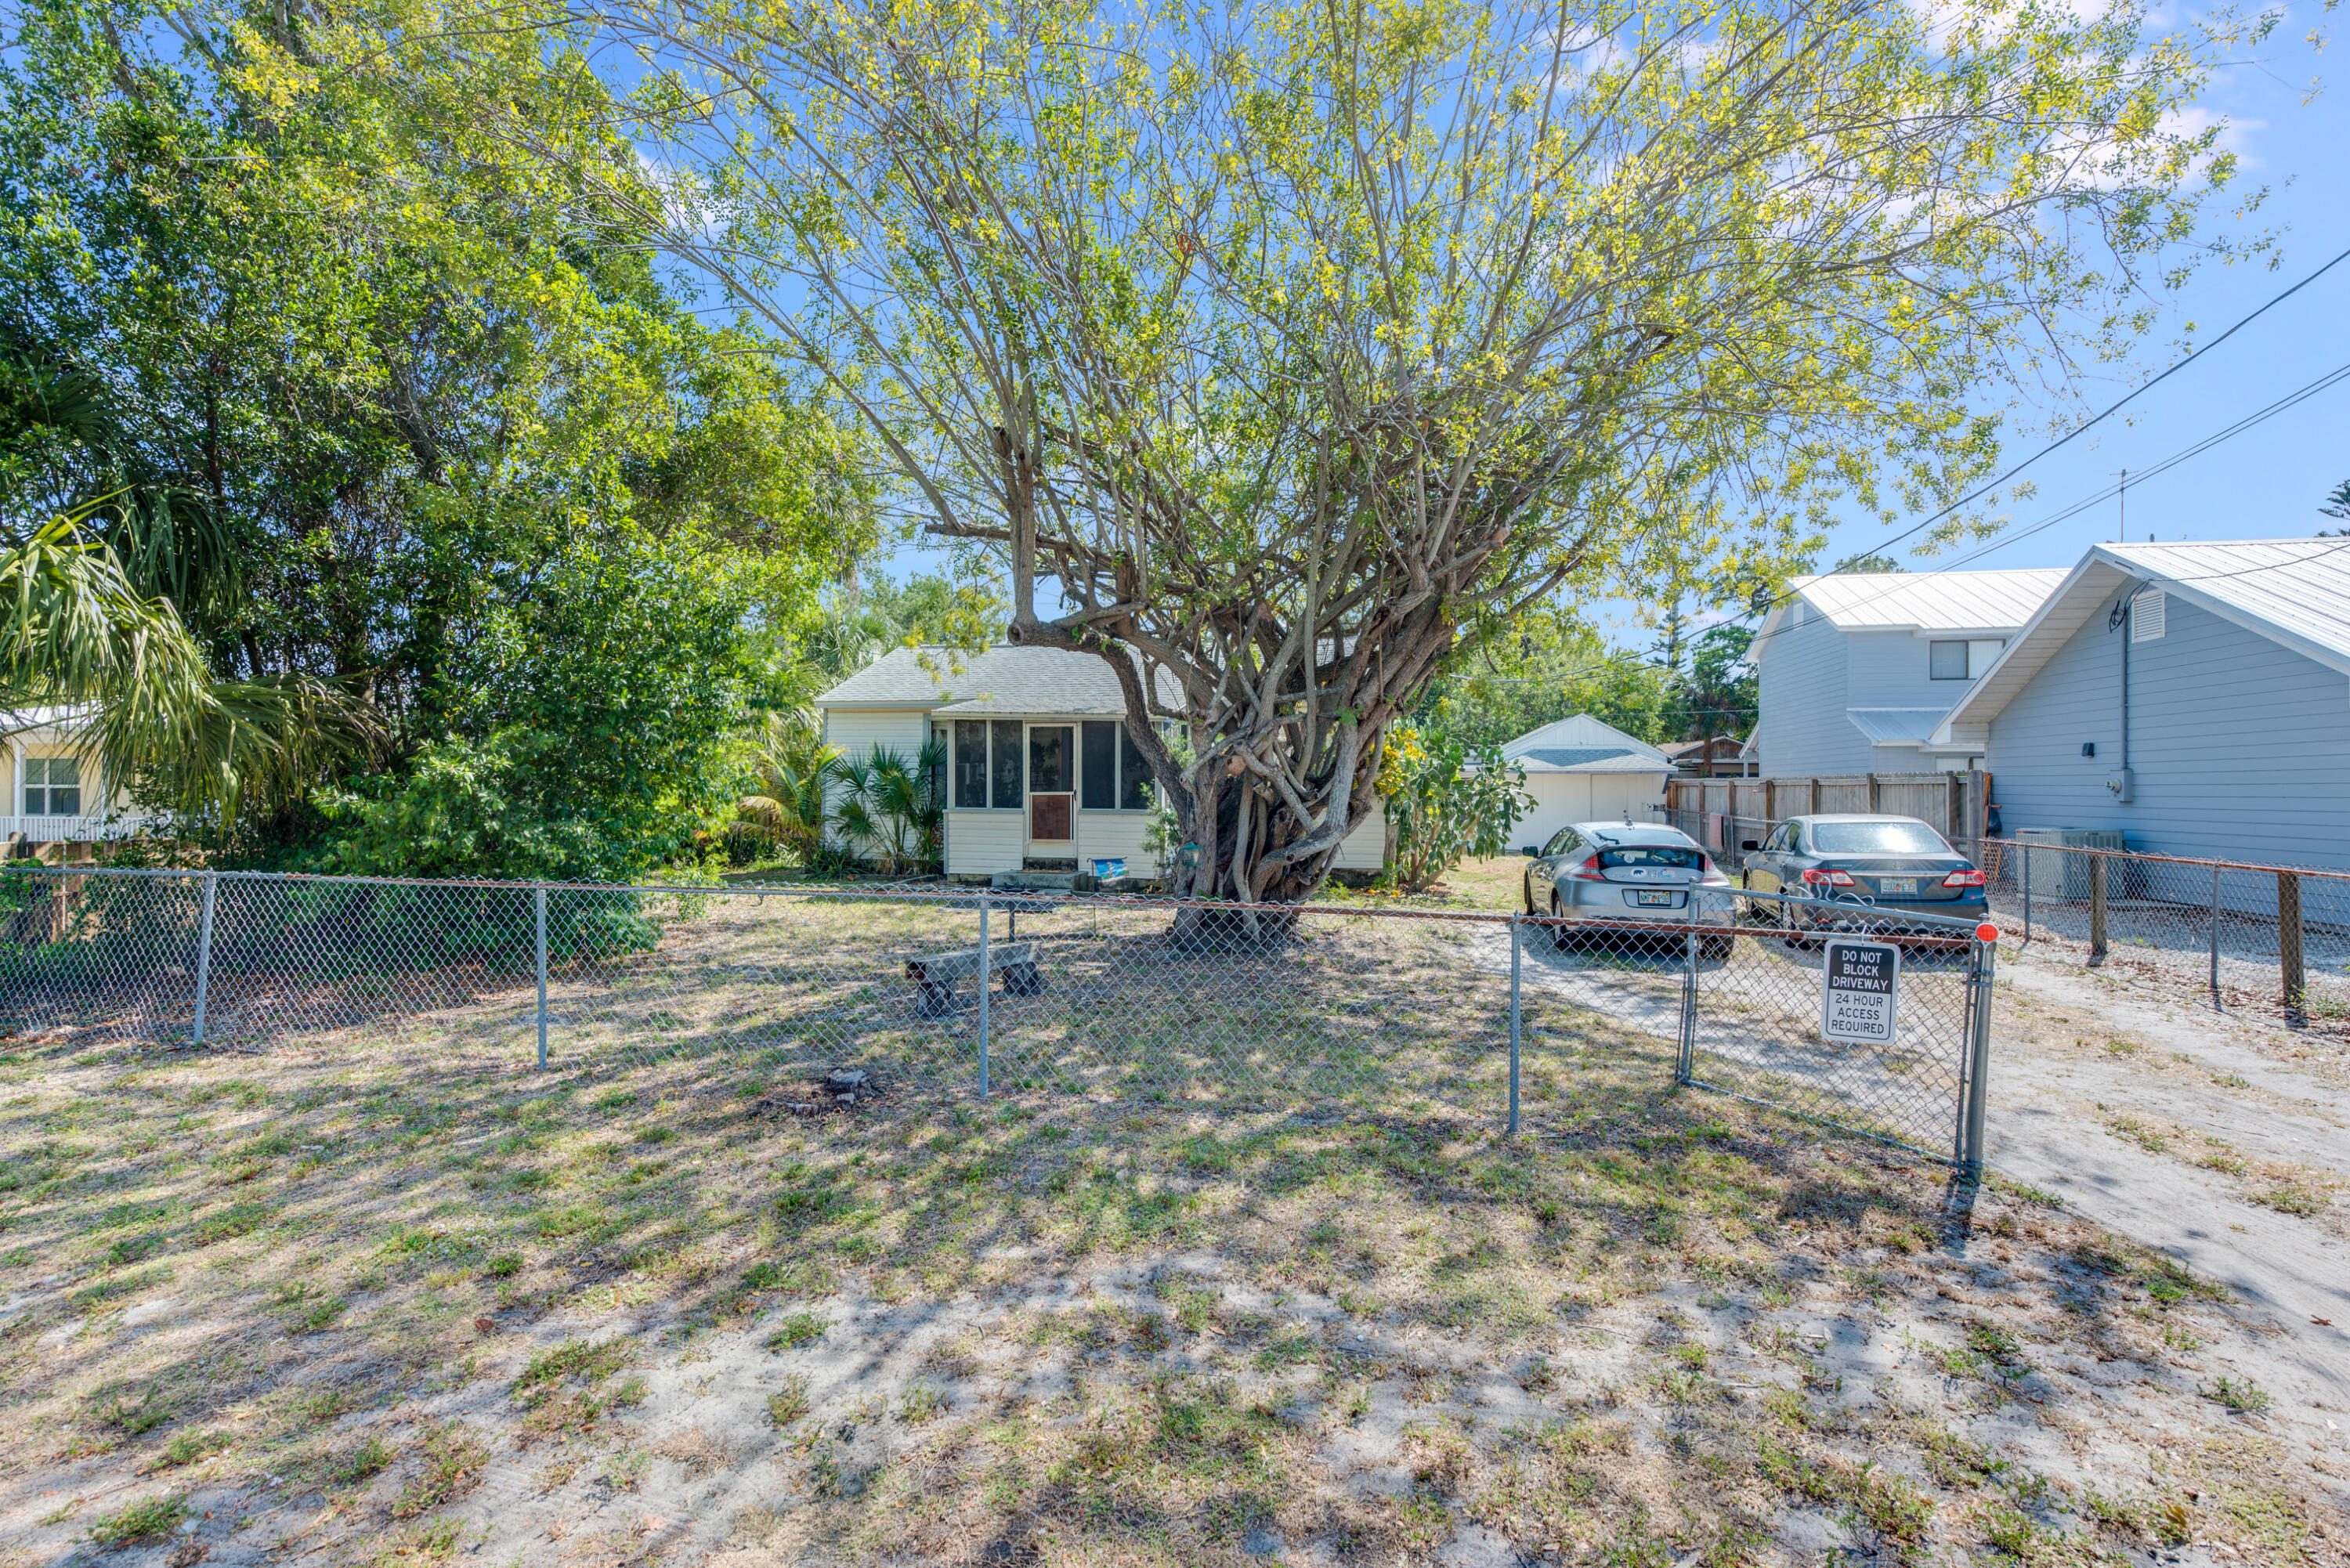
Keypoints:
pixel 1100 775
pixel 969 764
pixel 1134 794
pixel 1005 774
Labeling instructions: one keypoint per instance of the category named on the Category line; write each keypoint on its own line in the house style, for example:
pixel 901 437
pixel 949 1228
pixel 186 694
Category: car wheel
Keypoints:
pixel 1526 892
pixel 1566 939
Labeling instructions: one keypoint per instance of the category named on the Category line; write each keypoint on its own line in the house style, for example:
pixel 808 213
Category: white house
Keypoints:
pixel 1854 670
pixel 1583 770
pixel 56 792
pixel 2194 696
pixel 1041 774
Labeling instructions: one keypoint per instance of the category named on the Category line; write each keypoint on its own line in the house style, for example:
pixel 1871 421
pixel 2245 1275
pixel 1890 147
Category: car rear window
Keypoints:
pixel 1877 839
pixel 1653 854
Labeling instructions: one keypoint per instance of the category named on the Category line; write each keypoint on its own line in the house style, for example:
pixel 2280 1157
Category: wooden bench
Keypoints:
pixel 935 977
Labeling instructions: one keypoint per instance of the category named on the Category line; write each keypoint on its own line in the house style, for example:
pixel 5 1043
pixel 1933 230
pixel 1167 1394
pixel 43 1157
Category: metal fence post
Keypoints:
pixel 2026 856
pixel 1971 1135
pixel 204 953
pixel 538 911
pixel 2215 936
pixel 2096 907
pixel 985 985
pixel 2288 946
pixel 1516 949
pixel 1685 1061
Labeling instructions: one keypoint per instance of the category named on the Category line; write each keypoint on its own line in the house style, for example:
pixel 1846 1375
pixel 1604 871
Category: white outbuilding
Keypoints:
pixel 1583 770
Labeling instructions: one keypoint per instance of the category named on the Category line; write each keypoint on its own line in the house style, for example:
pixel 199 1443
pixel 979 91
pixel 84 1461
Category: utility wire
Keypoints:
pixel 2332 377
pixel 2112 408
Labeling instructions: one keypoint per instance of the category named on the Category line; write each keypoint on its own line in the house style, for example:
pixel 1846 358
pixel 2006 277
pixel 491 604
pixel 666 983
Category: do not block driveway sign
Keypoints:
pixel 1860 991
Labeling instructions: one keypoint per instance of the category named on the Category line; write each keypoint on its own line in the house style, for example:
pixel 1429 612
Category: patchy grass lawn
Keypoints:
pixel 388 1315
pixel 355 1306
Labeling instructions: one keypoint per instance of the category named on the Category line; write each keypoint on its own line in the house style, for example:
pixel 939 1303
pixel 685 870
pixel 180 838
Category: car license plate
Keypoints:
pixel 1664 898
pixel 1896 884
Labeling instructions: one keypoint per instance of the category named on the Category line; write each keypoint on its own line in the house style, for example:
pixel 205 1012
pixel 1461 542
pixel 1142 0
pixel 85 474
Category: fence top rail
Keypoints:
pixel 2269 867
pixel 1009 898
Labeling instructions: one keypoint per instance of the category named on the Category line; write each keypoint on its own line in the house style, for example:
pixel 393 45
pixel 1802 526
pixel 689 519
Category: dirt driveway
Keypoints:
pixel 2215 1140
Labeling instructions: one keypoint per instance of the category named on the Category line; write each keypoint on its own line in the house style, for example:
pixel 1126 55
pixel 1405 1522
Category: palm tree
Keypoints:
pixel 93 583
pixel 794 766
pixel 894 805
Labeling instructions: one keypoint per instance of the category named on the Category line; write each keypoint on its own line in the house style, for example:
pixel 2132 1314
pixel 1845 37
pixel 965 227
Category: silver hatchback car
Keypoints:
pixel 1622 874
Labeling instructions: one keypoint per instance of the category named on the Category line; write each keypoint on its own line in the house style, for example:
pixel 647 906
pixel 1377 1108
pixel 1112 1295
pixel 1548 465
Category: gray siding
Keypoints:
pixel 1800 683
pixel 2242 747
pixel 1896 670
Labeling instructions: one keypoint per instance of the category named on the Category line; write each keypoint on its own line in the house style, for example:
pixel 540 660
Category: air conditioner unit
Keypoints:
pixel 2055 876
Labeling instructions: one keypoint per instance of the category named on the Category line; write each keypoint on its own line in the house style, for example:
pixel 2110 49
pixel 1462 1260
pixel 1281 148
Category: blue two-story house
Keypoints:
pixel 2194 696
pixel 1855 670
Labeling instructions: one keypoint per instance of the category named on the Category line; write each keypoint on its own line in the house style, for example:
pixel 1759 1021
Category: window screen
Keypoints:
pixel 1050 765
pixel 971 763
pixel 1003 775
pixel 1098 772
pixel 1950 661
pixel 1134 792
pixel 52 786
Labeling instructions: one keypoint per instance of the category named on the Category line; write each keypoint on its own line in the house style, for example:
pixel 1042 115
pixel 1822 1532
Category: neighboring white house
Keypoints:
pixel 2195 696
pixel 1041 774
pixel 56 792
pixel 1854 670
pixel 1583 770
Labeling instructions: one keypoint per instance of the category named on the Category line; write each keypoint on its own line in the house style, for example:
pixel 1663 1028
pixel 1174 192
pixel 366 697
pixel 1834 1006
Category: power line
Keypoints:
pixel 2299 395
pixel 2112 408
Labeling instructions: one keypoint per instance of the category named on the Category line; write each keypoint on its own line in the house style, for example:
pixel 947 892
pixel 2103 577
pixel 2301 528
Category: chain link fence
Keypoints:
pixel 2271 942
pixel 2268 941
pixel 1328 1009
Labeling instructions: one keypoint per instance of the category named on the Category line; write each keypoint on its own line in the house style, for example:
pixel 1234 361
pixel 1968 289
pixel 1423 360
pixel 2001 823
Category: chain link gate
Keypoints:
pixel 1331 1009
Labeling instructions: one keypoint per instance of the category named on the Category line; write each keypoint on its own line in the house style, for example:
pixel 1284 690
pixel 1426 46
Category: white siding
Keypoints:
pixel 982 842
pixel 1366 848
pixel 854 731
pixel 1115 834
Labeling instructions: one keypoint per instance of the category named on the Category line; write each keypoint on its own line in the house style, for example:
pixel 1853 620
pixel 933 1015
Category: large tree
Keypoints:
pixel 1290 348
pixel 411 435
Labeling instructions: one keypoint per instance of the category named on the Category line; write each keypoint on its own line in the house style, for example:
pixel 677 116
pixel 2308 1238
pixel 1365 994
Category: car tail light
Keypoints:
pixel 1709 874
pixel 1829 879
pixel 1963 879
pixel 1588 871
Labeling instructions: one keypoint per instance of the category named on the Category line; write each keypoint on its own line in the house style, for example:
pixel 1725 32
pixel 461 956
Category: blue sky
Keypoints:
pixel 2266 482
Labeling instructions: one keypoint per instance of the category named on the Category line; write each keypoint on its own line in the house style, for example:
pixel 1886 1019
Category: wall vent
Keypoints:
pixel 2149 612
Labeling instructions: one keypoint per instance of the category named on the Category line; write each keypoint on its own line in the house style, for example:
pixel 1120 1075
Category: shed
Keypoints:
pixel 1585 770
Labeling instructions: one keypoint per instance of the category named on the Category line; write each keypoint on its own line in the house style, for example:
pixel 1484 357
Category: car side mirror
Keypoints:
pixel 1750 843
pixel 1531 849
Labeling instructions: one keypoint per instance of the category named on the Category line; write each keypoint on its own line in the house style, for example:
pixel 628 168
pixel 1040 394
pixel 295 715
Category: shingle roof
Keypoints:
pixel 1929 601
pixel 2294 592
pixel 1048 681
pixel 1584 733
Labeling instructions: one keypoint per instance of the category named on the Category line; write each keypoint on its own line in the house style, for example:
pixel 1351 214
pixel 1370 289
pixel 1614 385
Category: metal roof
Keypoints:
pixel 1048 681
pixel 1895 726
pixel 1928 601
pixel 2294 592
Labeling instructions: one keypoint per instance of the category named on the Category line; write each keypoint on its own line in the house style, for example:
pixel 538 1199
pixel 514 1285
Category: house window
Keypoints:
pixel 2150 612
pixel 52 786
pixel 1116 777
pixel 1956 660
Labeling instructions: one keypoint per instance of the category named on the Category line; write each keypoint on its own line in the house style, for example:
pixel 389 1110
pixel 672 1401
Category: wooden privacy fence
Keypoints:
pixel 1953 802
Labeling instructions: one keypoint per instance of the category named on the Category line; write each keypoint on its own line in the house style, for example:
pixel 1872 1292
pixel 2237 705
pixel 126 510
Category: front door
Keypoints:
pixel 1052 790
